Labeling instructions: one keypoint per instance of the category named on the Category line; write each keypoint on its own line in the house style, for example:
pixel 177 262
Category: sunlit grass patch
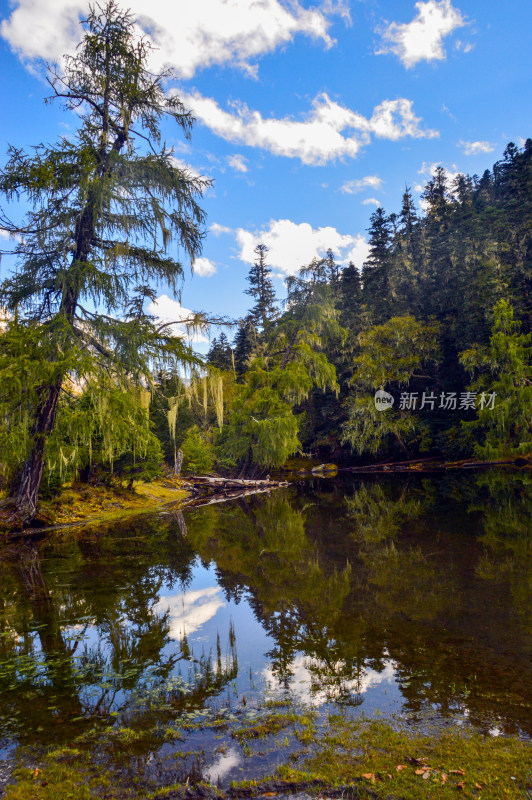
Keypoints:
pixel 396 762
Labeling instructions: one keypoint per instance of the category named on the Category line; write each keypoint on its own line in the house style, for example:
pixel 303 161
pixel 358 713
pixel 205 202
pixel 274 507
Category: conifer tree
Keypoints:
pixel 350 299
pixel 407 263
pixel 261 290
pixel 244 345
pixel 220 354
pixel 376 269
pixel 104 208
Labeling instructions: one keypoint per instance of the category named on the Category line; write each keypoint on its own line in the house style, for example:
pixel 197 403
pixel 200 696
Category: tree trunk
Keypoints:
pixel 178 462
pixel 30 482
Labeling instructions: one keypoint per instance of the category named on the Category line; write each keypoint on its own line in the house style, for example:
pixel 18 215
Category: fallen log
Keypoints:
pixel 210 499
pixel 433 465
pixel 217 483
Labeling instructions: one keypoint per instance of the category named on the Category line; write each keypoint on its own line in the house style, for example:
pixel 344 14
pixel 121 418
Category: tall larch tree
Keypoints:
pixel 105 206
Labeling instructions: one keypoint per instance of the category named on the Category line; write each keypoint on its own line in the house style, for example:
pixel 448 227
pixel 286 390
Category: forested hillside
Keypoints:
pixel 439 317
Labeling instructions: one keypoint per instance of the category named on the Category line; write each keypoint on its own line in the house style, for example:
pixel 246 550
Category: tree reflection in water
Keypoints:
pixel 426 584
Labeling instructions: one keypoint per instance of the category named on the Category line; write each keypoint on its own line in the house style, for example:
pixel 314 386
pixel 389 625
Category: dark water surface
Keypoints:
pixel 404 596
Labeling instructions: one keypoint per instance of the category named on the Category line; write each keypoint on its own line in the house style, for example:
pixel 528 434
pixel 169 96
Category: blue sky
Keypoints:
pixel 309 115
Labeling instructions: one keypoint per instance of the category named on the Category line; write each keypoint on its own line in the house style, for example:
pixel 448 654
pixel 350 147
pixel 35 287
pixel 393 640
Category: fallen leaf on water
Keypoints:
pixel 399 767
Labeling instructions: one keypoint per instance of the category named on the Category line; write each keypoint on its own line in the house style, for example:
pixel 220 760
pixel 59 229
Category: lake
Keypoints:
pixel 408 597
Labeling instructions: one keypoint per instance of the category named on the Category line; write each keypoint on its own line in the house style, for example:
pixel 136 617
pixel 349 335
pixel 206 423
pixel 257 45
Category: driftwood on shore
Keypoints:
pixel 208 489
pixel 215 482
pixel 433 465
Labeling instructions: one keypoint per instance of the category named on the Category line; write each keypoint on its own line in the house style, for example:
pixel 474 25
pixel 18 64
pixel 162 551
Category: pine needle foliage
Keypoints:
pixel 105 207
pixel 264 419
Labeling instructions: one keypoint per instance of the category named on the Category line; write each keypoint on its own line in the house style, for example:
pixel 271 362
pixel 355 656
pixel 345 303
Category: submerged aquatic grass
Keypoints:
pixel 339 753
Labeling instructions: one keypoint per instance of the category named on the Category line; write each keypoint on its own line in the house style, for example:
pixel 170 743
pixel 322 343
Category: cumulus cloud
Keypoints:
pixel 329 131
pixel 217 229
pixel 476 148
pixel 422 38
pixel 165 309
pixel 293 245
pixel 207 32
pixel 310 691
pixel 371 201
pixel 204 267
pixel 189 611
pixel 237 162
pixel 357 185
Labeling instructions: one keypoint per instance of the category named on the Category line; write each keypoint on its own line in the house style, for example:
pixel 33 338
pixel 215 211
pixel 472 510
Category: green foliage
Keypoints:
pixel 105 206
pixel 393 353
pixel 261 290
pixel 261 426
pixel 220 354
pixel 391 357
pixel 505 368
pixel 245 344
pixel 263 420
pixel 198 456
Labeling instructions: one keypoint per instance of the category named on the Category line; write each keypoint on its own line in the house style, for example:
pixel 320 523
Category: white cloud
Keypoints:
pixel 188 168
pixel 190 610
pixel 357 185
pixel 204 267
pixel 422 38
pixel 217 229
pixel 293 245
pixel 371 201
pixel 237 162
pixel 429 170
pixel 465 47
pixel 311 691
pixel 475 148
pixel 203 33
pixel 165 309
pixel 316 139
pixel 224 763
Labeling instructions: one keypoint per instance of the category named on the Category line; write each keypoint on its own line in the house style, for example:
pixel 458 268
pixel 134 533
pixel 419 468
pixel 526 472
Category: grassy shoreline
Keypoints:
pixel 78 504
pixel 360 758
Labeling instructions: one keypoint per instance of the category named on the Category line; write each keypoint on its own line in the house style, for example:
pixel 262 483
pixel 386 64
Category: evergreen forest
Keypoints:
pixel 422 350
pixel 438 316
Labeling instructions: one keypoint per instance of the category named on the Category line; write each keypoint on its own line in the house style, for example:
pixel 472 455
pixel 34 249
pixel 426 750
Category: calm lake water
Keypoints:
pixel 410 597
